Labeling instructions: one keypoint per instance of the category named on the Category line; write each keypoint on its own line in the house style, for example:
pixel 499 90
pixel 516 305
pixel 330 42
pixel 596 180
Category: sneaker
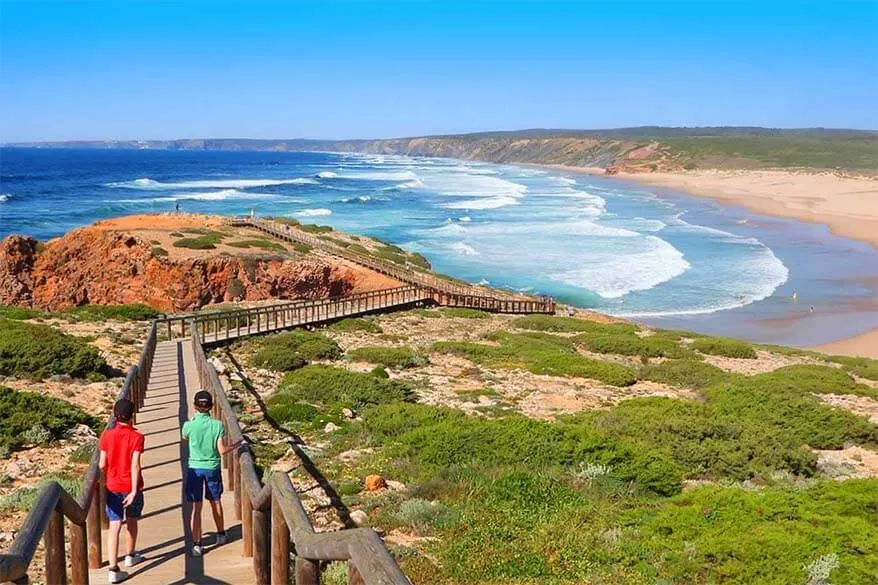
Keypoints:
pixel 114 575
pixel 134 559
pixel 197 551
pixel 221 538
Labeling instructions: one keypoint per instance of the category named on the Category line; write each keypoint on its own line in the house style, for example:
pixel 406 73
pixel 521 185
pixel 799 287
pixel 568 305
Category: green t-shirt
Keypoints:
pixel 203 432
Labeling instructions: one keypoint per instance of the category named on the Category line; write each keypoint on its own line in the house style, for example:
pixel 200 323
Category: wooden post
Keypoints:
pixel 307 572
pixel 246 521
pixel 78 554
pixel 280 545
pixel 100 501
pixel 354 577
pixel 261 547
pixel 236 466
pixel 93 526
pixel 53 542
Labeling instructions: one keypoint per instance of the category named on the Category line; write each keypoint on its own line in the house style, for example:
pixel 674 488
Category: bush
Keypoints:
pixel 159 252
pixel 815 378
pixel 684 374
pixel 302 248
pixel 630 344
pixel 292 350
pixel 859 366
pixel 24 498
pixel 391 357
pixel 29 350
pixel 312 228
pixel 464 313
pixel 354 324
pixel 725 347
pixel 423 515
pixel 379 372
pixel 83 453
pixel 570 325
pixel 328 386
pixel 31 418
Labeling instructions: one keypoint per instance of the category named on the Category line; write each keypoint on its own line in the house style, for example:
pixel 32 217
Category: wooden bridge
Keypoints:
pixel 266 520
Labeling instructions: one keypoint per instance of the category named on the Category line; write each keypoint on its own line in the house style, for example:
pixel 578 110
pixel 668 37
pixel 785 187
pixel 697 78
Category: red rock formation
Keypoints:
pixel 94 266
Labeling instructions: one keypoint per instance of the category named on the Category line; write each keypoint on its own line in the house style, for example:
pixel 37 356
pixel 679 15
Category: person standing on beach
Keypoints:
pixel 204 479
pixel 120 450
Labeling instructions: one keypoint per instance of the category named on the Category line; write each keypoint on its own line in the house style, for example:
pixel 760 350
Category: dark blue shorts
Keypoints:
pixel 204 484
pixel 116 511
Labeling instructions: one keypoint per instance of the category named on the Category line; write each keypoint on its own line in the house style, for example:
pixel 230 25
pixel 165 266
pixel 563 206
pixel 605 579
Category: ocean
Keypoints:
pixel 624 249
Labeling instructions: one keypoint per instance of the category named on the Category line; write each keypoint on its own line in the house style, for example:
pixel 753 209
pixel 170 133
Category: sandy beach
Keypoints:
pixel 848 205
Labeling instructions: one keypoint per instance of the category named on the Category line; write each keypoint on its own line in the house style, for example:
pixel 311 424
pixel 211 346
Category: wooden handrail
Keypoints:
pixel 54 503
pixel 275 507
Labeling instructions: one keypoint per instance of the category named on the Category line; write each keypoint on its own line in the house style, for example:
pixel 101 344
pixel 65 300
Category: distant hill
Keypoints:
pixel 639 149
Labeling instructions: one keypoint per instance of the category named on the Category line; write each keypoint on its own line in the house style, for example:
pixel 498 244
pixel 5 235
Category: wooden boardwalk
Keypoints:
pixel 164 534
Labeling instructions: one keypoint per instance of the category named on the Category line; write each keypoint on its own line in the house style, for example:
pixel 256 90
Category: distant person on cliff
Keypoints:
pixel 120 450
pixel 204 479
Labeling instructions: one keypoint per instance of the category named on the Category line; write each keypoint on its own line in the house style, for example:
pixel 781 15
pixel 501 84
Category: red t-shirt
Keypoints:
pixel 120 443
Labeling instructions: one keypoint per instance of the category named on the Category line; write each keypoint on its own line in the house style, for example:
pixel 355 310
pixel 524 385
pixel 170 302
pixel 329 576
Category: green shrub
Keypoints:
pixel 815 378
pixel 302 248
pixel 18 313
pixel 29 350
pixel 684 374
pixel 83 453
pixel 354 324
pixel 379 372
pixel 423 515
pixel 328 386
pixel 725 347
pixel 257 243
pixel 176 235
pixel 285 220
pixel 630 344
pixel 570 325
pixel 30 417
pixel 464 313
pixel 130 312
pixel 24 498
pixel 391 357
pixel 291 350
pixel 236 288
pixel 859 366
pixel 159 252
pixel 358 249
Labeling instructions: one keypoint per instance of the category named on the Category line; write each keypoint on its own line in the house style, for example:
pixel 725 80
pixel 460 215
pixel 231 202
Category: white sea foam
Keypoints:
pixel 326 175
pixel 486 203
pixel 378 175
pixel 314 212
pixel 221 195
pixel 151 185
pixel 4 197
pixel 465 219
pixel 464 249
pixel 615 271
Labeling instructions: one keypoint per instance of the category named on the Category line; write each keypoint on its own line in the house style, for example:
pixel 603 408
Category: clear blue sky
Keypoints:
pixel 126 69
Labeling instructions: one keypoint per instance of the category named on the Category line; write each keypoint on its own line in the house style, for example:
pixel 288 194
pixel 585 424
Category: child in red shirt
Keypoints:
pixel 121 448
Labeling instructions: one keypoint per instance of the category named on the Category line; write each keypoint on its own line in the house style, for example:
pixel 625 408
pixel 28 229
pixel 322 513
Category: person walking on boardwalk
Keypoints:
pixel 204 479
pixel 120 450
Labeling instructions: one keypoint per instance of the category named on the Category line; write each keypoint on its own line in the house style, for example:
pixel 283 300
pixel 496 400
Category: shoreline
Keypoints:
pixel 848 206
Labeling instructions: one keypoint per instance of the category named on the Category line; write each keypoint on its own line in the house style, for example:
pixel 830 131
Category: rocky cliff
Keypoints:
pixel 98 266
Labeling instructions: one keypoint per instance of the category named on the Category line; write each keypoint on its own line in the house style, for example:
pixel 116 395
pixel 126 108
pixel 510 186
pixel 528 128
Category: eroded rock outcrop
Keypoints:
pixel 95 266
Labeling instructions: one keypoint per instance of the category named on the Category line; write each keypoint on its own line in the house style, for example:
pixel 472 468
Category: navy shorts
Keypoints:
pixel 204 484
pixel 116 511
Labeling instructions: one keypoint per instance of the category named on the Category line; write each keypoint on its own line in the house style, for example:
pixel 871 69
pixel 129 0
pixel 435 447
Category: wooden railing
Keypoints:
pixel 223 325
pixel 274 522
pixel 85 515
pixel 446 287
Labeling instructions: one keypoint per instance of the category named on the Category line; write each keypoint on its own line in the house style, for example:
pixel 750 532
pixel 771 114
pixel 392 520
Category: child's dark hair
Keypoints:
pixel 123 410
pixel 203 400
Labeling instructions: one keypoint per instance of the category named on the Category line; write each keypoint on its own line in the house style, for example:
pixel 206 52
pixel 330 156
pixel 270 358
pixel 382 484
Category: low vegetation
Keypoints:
pixel 555 324
pixel 732 348
pixel 292 350
pixel 390 357
pixel 540 353
pixel 351 325
pixel 257 243
pixel 32 419
pixel 34 351
pixel 464 313
pixel 207 240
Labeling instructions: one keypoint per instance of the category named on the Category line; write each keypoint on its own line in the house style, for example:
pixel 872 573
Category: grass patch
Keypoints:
pixel 30 418
pixel 684 374
pixel 570 325
pixel 131 312
pixel 627 343
pixel 464 313
pixel 356 324
pixel 23 499
pixel 313 228
pixel 539 353
pixel 289 351
pixel 257 243
pixel 390 357
pixel 858 366
pixel 206 241
pixel 18 313
pixel 159 252
pixel 732 348
pixel 33 351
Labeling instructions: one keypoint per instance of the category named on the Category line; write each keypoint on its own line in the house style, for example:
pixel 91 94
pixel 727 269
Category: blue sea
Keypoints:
pixel 619 248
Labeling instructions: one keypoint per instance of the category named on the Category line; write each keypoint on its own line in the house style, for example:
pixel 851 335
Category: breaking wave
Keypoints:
pixel 151 185
pixel 314 212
